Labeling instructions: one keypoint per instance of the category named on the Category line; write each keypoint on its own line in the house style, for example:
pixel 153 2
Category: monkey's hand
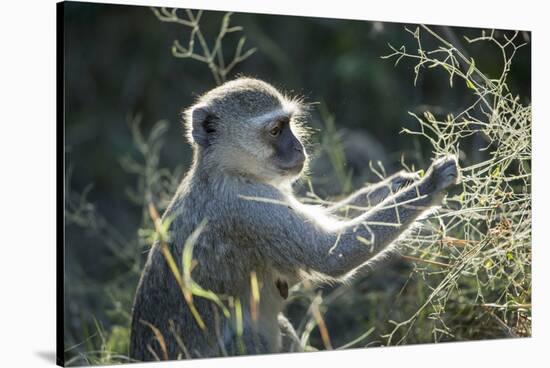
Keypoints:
pixel 443 173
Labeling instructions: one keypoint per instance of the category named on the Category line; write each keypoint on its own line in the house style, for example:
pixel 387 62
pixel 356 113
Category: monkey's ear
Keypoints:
pixel 202 126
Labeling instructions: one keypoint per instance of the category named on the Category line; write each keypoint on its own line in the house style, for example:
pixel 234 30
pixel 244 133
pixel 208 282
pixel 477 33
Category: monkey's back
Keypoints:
pixel 224 264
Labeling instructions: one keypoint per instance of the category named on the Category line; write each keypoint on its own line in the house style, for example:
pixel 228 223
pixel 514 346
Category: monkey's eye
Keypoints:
pixel 276 130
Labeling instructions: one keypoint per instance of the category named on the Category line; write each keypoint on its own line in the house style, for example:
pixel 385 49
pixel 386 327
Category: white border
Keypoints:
pixel 28 180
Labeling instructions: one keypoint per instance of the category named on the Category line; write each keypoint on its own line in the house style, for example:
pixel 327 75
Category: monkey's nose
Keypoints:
pixel 300 156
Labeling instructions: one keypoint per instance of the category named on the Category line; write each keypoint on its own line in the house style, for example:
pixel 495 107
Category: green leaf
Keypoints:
pixel 471 68
pixel 118 340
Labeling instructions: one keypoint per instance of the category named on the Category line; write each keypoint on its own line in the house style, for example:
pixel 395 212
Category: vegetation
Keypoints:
pixel 475 255
pixel 464 274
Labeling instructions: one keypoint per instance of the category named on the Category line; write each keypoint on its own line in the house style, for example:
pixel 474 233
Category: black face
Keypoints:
pixel 289 152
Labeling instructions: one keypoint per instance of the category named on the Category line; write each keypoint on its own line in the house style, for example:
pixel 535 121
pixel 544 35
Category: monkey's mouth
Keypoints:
pixel 293 167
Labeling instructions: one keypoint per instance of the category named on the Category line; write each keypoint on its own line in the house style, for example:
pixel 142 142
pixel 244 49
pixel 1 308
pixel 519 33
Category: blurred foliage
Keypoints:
pixel 124 91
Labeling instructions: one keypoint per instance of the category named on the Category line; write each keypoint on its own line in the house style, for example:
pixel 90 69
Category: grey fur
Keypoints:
pixel 373 194
pixel 255 224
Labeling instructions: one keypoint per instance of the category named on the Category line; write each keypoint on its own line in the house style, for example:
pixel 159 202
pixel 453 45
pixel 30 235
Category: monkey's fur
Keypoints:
pixel 247 146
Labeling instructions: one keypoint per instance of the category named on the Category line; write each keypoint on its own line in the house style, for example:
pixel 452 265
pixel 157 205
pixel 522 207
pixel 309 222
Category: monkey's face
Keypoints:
pixel 288 155
pixel 267 148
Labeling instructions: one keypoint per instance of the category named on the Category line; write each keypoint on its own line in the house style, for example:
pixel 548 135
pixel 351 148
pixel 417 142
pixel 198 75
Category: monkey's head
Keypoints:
pixel 246 127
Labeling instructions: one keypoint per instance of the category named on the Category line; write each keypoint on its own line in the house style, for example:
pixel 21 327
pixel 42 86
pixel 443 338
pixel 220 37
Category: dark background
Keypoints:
pixel 118 64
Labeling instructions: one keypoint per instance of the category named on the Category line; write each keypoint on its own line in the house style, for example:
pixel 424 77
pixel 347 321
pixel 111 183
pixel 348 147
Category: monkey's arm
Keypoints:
pixel 373 194
pixel 294 239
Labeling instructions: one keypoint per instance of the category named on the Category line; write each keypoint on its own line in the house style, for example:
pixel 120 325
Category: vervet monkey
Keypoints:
pixel 247 141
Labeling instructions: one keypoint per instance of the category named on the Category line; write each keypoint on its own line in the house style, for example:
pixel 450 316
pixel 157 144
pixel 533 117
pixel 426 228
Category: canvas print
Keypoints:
pixel 241 184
